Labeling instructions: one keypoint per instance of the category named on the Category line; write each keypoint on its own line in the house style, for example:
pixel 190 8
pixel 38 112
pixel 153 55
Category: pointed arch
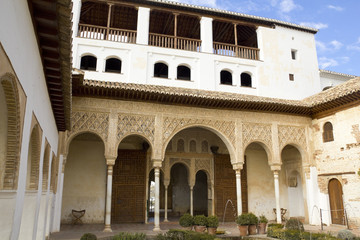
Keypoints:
pixel 9 177
pixel 45 170
pixel 32 179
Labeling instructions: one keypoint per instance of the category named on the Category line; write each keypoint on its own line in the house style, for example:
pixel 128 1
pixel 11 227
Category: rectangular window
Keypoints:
pixel 291 77
pixel 293 54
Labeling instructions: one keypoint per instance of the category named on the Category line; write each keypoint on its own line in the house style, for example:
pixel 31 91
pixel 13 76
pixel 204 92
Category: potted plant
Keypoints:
pixel 243 223
pixel 262 224
pixel 212 224
pixel 186 221
pixel 200 222
pixel 253 221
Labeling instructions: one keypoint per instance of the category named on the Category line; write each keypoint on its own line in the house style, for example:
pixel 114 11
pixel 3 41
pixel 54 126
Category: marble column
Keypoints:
pixel 238 191
pixel 277 196
pixel 166 203
pixel 157 200
pixel 191 200
pixel 110 165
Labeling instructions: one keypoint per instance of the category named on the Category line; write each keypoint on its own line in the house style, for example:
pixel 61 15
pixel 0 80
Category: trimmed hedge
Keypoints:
pixel 178 234
pixel 289 234
pixel 129 236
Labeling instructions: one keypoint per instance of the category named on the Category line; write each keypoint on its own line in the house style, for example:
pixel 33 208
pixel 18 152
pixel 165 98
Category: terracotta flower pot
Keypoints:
pixel 200 228
pixel 252 229
pixel 212 230
pixel 243 230
pixel 262 228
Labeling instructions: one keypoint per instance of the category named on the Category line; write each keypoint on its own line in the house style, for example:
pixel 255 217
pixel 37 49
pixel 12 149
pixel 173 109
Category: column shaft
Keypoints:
pixel 166 204
pixel 108 199
pixel 277 196
pixel 157 200
pixel 191 201
pixel 238 192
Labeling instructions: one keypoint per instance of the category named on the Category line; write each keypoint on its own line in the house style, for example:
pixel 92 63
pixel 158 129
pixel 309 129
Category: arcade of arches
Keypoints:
pixel 147 166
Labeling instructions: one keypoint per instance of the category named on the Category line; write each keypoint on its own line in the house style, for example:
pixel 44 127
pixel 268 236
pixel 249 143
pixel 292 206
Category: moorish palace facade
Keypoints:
pixel 139 111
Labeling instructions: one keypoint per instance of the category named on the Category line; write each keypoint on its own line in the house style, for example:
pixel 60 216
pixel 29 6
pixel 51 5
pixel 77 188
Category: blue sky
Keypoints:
pixel 338 21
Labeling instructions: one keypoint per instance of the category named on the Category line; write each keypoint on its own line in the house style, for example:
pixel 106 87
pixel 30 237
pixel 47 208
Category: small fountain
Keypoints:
pixel 233 207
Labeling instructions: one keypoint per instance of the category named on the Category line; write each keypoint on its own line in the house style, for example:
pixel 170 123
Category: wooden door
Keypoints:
pixel 225 187
pixel 128 189
pixel 336 202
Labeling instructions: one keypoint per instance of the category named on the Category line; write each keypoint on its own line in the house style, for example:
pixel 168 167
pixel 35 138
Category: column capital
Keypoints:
pixel 166 182
pixel 238 166
pixel 275 167
pixel 110 160
pixel 157 163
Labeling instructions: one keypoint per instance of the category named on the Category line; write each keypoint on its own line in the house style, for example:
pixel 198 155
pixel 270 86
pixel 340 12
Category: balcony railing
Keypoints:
pixel 166 41
pixel 236 51
pixel 104 33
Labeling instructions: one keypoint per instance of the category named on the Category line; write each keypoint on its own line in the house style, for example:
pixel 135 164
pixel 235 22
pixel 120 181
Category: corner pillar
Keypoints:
pixel 110 162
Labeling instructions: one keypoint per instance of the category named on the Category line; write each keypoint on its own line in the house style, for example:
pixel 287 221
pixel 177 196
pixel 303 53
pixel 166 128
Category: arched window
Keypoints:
pixel 245 80
pixel 113 65
pixel 88 63
pixel 180 145
pixel 225 77
pixel 161 70
pixel 183 73
pixel 192 146
pixel 328 135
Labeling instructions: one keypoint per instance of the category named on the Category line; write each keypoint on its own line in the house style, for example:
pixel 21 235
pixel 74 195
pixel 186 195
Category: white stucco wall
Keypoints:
pixel 85 181
pixel 270 75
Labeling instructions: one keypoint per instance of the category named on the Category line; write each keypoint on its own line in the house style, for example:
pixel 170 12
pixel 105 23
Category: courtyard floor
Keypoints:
pixel 72 232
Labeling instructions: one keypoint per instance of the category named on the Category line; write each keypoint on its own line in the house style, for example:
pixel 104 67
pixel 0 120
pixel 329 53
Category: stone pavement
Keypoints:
pixel 72 232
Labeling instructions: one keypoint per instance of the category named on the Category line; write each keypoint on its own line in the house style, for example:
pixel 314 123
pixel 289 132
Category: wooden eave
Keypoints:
pixel 211 99
pixel 52 26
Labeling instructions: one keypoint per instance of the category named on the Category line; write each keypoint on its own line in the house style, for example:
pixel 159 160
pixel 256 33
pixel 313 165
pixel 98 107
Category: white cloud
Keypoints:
pixel 287 6
pixel 314 25
pixel 336 44
pixel 354 46
pixel 336 8
pixel 332 46
pixel 325 62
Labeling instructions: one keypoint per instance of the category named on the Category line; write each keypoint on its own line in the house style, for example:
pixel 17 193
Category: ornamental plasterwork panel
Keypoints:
pixel 172 125
pixel 90 121
pixel 187 162
pixel 291 134
pixel 203 164
pixel 136 124
pixel 255 131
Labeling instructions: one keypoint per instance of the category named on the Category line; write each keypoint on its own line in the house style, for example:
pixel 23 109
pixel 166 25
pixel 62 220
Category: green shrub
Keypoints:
pixel 177 234
pixel 253 219
pixel 345 235
pixel 275 232
pixel 243 219
pixel 186 220
pixel 129 236
pixel 263 219
pixel 294 224
pixel 275 225
pixel 212 221
pixel 200 220
pixel 88 236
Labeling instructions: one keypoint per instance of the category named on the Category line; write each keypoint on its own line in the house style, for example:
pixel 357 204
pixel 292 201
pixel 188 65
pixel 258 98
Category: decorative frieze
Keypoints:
pixel 252 132
pixel 136 124
pixel 90 121
pixel 291 134
pixel 172 125
pixel 203 164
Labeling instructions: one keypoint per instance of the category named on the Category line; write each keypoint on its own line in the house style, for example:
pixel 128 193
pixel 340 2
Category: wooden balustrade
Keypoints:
pixel 236 51
pixel 104 33
pixel 166 41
